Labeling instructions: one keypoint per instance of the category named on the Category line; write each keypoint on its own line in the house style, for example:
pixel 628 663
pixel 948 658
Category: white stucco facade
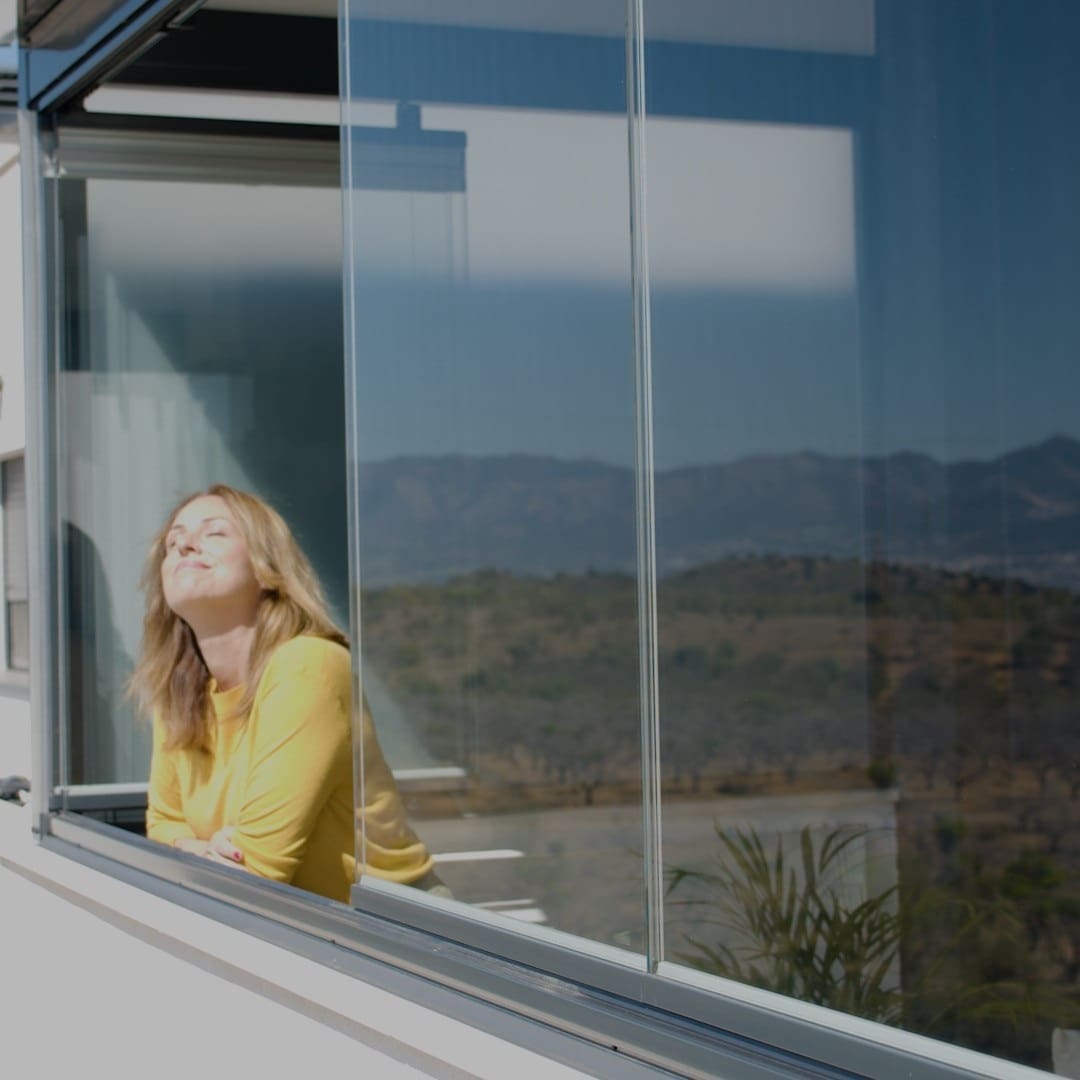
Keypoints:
pixel 148 986
pixel 12 411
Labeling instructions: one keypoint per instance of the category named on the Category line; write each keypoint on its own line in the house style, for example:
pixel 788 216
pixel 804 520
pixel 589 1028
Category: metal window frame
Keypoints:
pixel 565 1005
pixel 103 146
pixel 652 1021
pixel 652 1015
pixel 72 46
pixel 610 1036
pixel 41 466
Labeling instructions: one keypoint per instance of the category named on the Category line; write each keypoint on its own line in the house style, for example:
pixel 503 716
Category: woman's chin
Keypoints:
pixel 193 606
pixel 212 612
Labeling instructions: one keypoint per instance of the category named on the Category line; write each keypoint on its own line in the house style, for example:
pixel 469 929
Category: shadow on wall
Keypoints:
pixel 102 721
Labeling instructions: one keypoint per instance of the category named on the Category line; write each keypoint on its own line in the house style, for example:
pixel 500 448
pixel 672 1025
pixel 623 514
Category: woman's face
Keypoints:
pixel 207 572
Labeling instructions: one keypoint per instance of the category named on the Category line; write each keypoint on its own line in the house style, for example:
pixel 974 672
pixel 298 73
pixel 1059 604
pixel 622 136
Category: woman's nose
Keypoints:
pixel 189 542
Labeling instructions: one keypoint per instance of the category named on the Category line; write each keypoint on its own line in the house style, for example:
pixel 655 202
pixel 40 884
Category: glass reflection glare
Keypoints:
pixel 175 375
pixel 862 270
pixel 494 419
pixel 868 611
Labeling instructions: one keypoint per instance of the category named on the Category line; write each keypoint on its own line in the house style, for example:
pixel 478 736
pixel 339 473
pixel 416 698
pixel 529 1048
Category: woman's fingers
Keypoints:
pixel 219 848
pixel 191 845
pixel 213 856
pixel 221 845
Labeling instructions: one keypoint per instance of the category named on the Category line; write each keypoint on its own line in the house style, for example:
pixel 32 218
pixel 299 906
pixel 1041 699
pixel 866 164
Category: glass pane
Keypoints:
pixel 864 246
pixel 202 345
pixel 494 417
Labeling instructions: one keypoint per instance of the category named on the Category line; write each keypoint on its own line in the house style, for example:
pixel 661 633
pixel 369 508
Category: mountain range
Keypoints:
pixel 429 518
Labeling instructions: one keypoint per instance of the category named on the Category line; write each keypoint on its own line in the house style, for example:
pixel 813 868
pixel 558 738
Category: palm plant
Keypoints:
pixel 794 932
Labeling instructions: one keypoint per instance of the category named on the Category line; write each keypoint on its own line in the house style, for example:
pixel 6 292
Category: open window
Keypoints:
pixel 690 445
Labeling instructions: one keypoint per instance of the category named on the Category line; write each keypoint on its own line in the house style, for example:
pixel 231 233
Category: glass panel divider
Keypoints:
pixel 644 490
pixel 39 464
pixel 351 418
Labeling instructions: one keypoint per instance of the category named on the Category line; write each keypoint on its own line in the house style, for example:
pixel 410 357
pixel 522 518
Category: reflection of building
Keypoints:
pixel 687 434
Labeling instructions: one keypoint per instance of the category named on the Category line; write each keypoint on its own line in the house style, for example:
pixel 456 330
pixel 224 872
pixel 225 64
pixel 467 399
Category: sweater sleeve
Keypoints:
pixel 165 820
pixel 388 847
pixel 300 753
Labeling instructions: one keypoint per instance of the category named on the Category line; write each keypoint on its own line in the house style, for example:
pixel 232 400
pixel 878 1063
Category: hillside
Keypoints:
pixel 427 519
pixel 796 676
pixel 808 662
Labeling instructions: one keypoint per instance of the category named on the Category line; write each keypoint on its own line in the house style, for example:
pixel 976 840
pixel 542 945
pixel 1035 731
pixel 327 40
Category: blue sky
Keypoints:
pixel 902 281
pixel 848 253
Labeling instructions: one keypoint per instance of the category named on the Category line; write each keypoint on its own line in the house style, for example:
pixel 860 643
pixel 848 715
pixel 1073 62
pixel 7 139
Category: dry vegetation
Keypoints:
pixel 782 675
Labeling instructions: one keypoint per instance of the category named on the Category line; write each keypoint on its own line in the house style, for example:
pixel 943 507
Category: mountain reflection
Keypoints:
pixel 881 652
pixel 1015 516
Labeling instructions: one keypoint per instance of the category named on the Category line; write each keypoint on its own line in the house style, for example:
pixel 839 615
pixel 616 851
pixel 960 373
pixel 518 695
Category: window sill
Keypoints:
pixel 394 1023
pixel 658 1030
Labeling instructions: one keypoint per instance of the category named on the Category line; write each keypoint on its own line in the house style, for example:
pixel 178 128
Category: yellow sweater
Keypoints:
pixel 282 777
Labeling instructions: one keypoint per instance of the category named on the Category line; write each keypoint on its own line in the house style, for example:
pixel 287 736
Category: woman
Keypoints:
pixel 250 687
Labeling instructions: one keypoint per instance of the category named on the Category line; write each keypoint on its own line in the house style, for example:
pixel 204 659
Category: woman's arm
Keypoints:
pixel 389 849
pixel 165 821
pixel 300 754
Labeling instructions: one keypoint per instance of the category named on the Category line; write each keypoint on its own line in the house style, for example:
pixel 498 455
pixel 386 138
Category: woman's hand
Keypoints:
pixel 219 848
pixel 222 849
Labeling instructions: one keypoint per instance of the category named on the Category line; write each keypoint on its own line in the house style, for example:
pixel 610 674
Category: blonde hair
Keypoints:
pixel 171 678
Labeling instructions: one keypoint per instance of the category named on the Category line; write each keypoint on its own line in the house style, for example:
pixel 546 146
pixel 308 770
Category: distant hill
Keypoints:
pixel 431 518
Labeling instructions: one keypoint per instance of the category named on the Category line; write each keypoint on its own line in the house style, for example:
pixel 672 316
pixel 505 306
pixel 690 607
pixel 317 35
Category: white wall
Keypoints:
pixel 12 412
pixel 101 978
pixel 8 17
